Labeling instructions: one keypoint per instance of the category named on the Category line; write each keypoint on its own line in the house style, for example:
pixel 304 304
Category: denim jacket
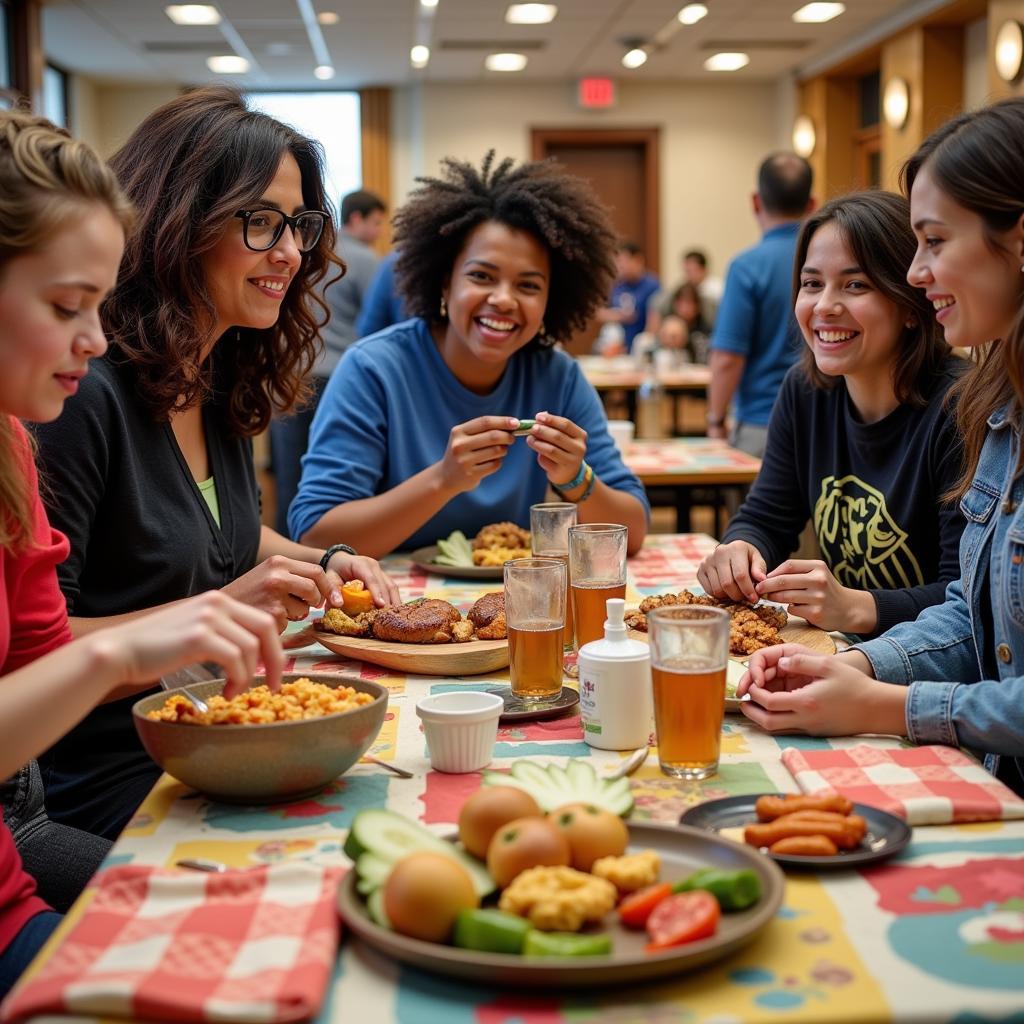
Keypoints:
pixel 947 655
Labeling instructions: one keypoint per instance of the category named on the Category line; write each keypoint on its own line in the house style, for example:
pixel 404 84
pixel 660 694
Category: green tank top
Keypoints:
pixel 208 489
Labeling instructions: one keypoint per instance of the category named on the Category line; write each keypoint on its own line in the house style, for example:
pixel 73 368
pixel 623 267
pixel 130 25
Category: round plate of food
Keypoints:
pixel 884 835
pixel 423 558
pixel 681 852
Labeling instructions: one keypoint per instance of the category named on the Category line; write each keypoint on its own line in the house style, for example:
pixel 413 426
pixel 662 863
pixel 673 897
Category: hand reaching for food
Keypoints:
pixel 733 571
pixel 475 450
pixel 560 446
pixel 811 591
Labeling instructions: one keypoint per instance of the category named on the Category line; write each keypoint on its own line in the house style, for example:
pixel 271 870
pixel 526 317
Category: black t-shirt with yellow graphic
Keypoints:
pixel 871 490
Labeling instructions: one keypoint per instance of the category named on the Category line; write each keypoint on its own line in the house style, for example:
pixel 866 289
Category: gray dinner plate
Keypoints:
pixel 423 558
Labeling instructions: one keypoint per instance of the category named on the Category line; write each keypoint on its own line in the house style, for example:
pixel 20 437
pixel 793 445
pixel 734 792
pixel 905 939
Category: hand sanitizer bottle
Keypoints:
pixel 616 701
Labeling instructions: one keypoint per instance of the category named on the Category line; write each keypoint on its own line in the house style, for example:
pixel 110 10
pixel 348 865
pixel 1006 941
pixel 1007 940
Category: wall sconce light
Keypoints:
pixel 1009 50
pixel 896 102
pixel 805 138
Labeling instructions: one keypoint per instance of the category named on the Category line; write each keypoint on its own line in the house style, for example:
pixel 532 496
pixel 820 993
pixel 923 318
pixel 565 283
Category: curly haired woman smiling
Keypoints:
pixel 414 435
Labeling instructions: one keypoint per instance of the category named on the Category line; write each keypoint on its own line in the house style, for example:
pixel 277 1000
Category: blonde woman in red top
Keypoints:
pixel 63 221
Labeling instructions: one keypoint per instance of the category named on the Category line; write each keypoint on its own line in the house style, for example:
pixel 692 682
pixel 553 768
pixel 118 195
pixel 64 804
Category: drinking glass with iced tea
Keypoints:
pixel 597 570
pixel 535 613
pixel 689 656
pixel 549 533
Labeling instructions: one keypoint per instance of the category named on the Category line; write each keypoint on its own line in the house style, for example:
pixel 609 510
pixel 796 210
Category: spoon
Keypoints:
pixel 174 683
pixel 630 765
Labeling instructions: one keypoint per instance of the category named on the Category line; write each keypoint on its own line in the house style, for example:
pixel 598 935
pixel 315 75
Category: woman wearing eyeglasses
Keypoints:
pixel 213 328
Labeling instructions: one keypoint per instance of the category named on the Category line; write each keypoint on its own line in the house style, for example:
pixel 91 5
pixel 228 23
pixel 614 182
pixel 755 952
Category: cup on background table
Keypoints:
pixel 622 432
pixel 535 613
pixel 549 532
pixel 597 570
pixel 689 656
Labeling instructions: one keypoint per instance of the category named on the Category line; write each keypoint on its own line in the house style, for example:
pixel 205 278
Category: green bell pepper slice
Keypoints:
pixel 734 890
pixel 490 931
pixel 566 944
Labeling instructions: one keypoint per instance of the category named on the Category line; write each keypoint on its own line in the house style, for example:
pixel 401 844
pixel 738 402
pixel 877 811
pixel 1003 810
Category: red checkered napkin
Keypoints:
pixel 929 785
pixel 252 945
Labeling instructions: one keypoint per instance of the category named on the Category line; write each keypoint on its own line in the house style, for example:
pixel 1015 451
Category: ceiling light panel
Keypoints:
pixel 505 61
pixel 634 58
pixel 193 14
pixel 324 72
pixel 726 62
pixel 530 14
pixel 328 18
pixel 228 64
pixel 691 14
pixel 419 56
pixel 815 14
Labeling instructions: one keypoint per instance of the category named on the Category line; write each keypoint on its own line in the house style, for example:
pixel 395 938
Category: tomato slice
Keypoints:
pixel 682 918
pixel 637 907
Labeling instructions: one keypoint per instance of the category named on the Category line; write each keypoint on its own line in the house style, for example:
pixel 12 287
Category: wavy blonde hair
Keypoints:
pixel 46 178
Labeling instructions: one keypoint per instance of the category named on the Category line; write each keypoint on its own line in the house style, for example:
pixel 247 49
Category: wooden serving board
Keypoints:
pixel 796 631
pixel 468 659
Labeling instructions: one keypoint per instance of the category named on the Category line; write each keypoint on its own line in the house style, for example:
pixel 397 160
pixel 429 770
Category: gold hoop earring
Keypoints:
pixel 444 308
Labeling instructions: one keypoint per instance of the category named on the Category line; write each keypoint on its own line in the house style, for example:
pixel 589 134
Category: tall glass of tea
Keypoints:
pixel 689 656
pixel 535 613
pixel 549 533
pixel 597 570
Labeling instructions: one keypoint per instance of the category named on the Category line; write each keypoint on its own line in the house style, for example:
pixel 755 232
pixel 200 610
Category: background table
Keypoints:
pixel 672 469
pixel 936 934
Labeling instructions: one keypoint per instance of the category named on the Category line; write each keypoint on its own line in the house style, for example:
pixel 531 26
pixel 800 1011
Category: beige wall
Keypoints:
pixel 712 139
pixel 976 89
pixel 106 113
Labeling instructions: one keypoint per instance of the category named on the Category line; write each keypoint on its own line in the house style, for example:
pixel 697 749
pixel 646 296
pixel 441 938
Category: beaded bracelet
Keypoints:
pixel 588 475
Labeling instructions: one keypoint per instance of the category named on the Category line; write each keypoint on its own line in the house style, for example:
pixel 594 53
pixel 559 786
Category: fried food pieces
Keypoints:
pixel 499 543
pixel 806 826
pixel 751 628
pixel 488 617
pixel 426 621
pixel 338 621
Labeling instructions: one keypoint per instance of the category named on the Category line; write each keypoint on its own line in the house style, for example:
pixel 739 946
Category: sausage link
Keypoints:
pixel 852 822
pixel 842 834
pixel 806 846
pixel 769 808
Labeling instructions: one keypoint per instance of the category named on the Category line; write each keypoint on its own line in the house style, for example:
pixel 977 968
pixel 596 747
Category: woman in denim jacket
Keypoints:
pixel 958 669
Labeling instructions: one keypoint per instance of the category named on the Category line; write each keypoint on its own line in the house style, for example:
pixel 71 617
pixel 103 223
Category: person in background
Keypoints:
pixel 687 305
pixel 861 442
pixel 630 304
pixel 414 437
pixel 709 289
pixel 954 675
pixel 756 340
pixel 150 472
pixel 362 221
pixel 382 305
pixel 63 220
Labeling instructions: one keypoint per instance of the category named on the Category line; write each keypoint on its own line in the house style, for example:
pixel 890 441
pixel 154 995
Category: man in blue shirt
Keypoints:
pixel 756 338
pixel 632 293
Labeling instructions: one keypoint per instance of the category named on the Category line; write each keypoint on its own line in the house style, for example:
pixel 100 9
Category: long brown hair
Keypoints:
pixel 876 227
pixel 189 167
pixel 976 160
pixel 47 182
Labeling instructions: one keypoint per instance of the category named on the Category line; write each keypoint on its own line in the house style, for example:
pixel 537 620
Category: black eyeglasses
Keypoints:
pixel 262 228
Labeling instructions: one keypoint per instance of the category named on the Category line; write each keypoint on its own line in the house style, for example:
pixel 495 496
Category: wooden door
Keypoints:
pixel 622 167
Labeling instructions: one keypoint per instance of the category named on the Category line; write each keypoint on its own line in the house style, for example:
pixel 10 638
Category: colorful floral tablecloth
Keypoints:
pixel 690 460
pixel 936 934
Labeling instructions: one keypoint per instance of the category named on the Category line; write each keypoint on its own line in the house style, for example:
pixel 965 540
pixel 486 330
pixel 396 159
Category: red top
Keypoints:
pixel 33 622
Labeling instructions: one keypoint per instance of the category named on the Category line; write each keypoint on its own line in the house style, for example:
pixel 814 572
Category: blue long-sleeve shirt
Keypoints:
pixel 389 408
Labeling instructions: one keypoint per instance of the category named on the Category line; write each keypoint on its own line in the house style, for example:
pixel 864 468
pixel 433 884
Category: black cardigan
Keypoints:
pixel 871 490
pixel 115 481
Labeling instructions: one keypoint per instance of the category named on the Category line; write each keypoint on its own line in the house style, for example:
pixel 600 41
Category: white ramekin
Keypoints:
pixel 461 728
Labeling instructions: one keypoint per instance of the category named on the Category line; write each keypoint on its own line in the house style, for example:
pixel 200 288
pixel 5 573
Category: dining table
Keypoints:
pixel 673 470
pixel 936 933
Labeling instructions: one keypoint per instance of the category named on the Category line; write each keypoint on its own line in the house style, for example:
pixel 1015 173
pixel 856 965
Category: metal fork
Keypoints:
pixel 197 673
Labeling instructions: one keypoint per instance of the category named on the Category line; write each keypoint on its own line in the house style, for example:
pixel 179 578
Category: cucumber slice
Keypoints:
pixel 390 837
pixel 553 786
pixel 375 908
pixel 373 872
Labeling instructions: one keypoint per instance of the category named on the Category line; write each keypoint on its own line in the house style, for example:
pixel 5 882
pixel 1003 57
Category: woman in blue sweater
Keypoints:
pixel 414 436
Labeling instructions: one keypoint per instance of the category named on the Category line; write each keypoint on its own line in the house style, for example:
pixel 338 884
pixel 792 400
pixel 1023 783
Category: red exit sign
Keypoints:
pixel 596 93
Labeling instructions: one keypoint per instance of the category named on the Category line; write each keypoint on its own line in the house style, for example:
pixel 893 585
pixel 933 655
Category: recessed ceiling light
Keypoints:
pixel 726 62
pixel 419 56
pixel 228 64
pixel 505 61
pixel 193 14
pixel 816 13
pixel 328 18
pixel 324 72
pixel 692 13
pixel 530 14
pixel 429 4
pixel 634 58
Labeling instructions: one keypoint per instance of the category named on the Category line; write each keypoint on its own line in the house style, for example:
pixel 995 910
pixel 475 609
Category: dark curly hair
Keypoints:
pixel 188 168
pixel 561 211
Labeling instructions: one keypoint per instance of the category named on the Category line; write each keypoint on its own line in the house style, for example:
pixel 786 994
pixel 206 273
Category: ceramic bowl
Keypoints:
pixel 262 763
pixel 461 728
